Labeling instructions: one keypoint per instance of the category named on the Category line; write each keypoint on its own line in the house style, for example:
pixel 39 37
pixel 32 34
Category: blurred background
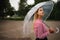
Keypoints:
pixel 12 13
pixel 17 9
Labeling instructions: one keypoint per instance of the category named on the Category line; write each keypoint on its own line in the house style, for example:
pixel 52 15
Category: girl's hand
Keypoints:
pixel 51 30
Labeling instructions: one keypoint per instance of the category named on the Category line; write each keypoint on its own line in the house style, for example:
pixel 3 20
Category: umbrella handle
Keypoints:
pixel 49 26
pixel 46 24
pixel 57 30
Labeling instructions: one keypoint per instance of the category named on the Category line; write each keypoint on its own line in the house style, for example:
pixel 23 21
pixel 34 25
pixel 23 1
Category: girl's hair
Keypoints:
pixel 36 15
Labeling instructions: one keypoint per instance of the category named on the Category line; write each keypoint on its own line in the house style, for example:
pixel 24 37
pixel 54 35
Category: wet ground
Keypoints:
pixel 12 30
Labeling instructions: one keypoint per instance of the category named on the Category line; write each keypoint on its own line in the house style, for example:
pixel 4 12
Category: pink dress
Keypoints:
pixel 40 29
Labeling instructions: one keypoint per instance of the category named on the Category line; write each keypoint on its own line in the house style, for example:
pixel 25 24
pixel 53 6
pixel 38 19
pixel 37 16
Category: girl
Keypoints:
pixel 40 29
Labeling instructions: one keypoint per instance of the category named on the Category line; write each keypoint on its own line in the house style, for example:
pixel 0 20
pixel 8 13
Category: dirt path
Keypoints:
pixel 12 30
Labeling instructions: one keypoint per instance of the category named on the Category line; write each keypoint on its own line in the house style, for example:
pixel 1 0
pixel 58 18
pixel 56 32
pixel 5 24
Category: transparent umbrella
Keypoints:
pixel 47 7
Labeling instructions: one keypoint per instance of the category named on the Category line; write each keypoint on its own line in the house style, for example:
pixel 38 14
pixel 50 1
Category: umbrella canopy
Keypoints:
pixel 47 7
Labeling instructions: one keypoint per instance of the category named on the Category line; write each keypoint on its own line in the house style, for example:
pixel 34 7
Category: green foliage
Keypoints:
pixel 24 8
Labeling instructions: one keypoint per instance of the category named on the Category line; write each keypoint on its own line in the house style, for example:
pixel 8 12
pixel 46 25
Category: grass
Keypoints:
pixel 13 18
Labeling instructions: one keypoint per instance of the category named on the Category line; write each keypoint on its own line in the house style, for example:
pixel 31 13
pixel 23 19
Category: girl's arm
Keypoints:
pixel 46 31
pixel 39 28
